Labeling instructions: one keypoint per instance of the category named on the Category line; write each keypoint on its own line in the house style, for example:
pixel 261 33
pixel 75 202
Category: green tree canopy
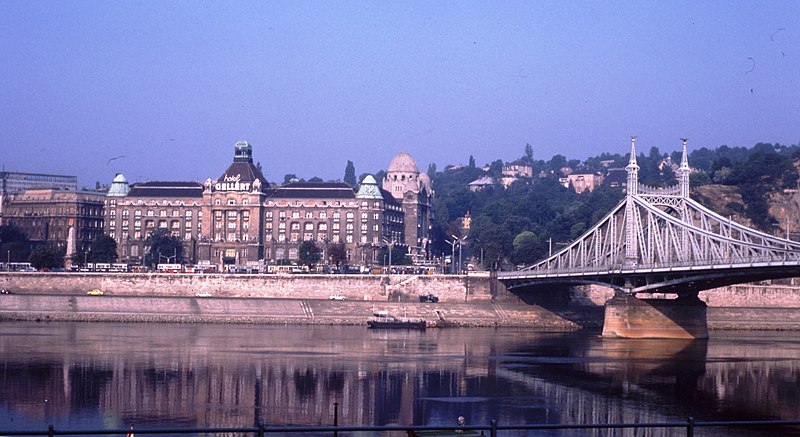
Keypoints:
pixel 164 248
pixel 46 257
pixel 14 244
pixel 337 254
pixel 103 250
pixel 350 174
pixel 309 254
pixel 526 246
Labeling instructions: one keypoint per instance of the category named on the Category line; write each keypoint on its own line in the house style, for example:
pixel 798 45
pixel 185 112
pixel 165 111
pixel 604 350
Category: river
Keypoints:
pixel 112 375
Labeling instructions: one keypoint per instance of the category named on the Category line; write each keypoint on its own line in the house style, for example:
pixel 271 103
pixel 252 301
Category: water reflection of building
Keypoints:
pixel 227 376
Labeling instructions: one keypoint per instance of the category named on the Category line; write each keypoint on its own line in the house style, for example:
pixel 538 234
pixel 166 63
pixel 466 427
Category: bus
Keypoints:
pixel 16 267
pixel 170 268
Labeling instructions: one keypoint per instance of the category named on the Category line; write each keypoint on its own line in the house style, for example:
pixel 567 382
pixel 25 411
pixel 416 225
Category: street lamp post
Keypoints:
pixel 460 242
pixel 453 255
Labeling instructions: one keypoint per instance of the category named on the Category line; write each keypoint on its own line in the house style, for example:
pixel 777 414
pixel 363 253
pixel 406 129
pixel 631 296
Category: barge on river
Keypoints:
pixel 384 320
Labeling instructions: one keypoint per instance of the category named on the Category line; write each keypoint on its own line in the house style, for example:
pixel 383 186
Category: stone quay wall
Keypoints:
pixel 455 288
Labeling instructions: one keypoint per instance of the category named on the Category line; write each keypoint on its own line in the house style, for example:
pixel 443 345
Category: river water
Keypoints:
pixel 112 375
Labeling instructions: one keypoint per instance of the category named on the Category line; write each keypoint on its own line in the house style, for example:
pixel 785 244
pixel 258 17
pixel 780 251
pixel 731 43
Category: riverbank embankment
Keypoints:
pixel 305 299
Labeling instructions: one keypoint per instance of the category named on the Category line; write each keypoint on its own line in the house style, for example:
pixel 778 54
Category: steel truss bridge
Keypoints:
pixel 658 240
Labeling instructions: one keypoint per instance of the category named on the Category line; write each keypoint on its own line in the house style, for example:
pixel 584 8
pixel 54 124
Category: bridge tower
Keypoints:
pixel 631 254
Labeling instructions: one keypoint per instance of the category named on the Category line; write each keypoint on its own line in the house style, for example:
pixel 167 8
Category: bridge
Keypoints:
pixel 658 241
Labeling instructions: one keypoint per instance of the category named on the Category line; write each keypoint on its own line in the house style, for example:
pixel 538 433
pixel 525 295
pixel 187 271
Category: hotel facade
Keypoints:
pixel 239 221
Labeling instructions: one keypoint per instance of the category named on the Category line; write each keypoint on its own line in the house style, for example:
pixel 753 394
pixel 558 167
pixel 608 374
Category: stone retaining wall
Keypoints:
pixel 353 287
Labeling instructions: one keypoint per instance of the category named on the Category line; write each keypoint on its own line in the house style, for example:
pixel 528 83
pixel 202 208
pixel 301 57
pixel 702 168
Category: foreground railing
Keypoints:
pixel 493 429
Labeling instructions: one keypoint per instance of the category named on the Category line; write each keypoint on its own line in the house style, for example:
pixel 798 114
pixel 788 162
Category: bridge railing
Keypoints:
pixel 765 261
pixel 492 429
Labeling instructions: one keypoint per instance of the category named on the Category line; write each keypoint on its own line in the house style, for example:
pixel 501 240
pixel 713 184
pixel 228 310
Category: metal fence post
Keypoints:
pixel 336 418
pixel 493 431
pixel 690 427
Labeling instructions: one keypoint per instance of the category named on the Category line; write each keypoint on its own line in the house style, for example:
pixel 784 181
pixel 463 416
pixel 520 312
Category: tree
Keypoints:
pixel 399 257
pixel 309 254
pixel 14 244
pixel 164 248
pixel 290 177
pixel 46 257
pixel 337 254
pixel 471 161
pixel 104 250
pixel 525 248
pixel 350 174
pixel 527 158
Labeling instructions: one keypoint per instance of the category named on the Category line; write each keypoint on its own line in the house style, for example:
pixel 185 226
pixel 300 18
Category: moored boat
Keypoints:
pixel 384 320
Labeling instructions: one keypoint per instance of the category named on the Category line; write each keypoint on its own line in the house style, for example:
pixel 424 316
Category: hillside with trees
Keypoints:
pixel 534 216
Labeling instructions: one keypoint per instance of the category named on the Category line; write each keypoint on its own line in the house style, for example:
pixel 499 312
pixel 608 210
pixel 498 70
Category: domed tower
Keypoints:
pixel 413 190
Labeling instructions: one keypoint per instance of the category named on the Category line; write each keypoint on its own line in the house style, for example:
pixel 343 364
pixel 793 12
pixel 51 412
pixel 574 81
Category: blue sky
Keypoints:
pixel 172 85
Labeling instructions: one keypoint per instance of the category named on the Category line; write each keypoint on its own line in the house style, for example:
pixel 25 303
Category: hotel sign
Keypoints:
pixel 232 183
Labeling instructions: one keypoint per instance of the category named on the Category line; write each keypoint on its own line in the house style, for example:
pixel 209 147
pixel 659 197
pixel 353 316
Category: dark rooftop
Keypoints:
pixel 315 190
pixel 166 189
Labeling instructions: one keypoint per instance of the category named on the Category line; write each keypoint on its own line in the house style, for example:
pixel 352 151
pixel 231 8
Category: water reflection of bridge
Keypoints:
pixel 213 376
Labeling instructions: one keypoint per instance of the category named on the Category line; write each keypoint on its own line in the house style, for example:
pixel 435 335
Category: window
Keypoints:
pixel 137 213
pixel 187 236
pixel 231 225
pixel 175 224
pixel 309 214
pixel 245 202
pixel 124 213
pixel 268 214
pixel 364 216
pixel 309 226
pixel 336 226
pixel 349 216
pixel 295 226
pixel 245 215
pixel 137 235
pixel 281 239
pixel 231 215
pixel 323 214
pixel 376 216
pixel 231 202
pixel 162 213
pixel 282 214
pixel 294 236
pixel 336 215
pixel 282 226
pixel 217 215
pixel 176 213
pixel 217 202
pixel 322 227
pixel 188 214
pixel 295 214
pixel 162 224
pixel 150 213
pixel 349 239
pixel 292 253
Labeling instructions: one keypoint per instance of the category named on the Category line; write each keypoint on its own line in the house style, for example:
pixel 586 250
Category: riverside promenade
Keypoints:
pixel 305 299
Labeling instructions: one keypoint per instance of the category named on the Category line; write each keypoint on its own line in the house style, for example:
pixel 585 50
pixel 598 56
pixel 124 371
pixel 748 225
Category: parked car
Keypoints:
pixel 95 292
pixel 337 297
pixel 428 298
pixel 4 291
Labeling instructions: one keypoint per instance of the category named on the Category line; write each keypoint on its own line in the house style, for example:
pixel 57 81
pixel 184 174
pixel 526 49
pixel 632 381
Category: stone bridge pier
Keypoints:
pixel 628 316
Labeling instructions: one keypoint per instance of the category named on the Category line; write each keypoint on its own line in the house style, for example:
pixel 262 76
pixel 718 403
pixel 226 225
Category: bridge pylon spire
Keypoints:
pixel 684 171
pixel 633 171
pixel 631 254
